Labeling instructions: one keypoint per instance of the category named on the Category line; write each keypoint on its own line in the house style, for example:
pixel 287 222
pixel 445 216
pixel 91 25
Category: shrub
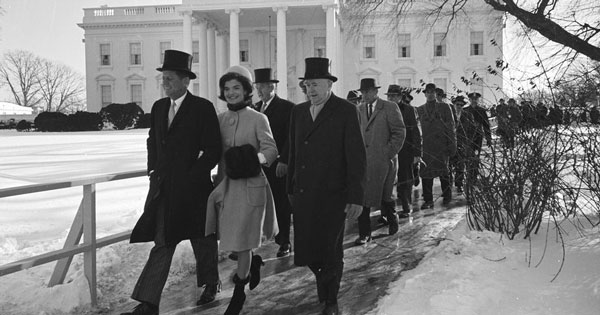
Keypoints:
pixel 51 121
pixel 122 116
pixel 85 121
pixel 23 125
pixel 144 121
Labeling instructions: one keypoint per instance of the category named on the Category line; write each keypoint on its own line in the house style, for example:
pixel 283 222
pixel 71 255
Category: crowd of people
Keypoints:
pixel 321 162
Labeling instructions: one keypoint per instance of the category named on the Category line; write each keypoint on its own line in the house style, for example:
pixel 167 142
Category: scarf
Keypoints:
pixel 238 106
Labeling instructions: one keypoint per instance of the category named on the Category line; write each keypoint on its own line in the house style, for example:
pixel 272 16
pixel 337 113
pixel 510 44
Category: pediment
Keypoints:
pixel 135 77
pixel 404 70
pixel 105 77
pixel 369 71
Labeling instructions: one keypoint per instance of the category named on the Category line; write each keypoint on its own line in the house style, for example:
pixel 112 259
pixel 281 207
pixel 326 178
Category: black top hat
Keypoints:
pixel 176 60
pixel 317 68
pixel 429 87
pixel 352 95
pixel 394 89
pixel 367 84
pixel 264 75
pixel 474 95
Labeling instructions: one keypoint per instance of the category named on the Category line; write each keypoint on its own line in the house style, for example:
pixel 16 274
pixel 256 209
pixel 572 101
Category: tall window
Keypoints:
pixel 404 46
pixel 404 83
pixel 105 54
pixel 441 83
pixel 162 47
pixel 135 53
pixel 319 43
pixel 476 43
pixel 244 51
pixel 136 94
pixel 195 51
pixel 106 95
pixel 439 44
pixel 368 46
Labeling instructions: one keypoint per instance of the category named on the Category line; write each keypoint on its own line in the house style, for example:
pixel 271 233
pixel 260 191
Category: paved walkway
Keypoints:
pixel 289 290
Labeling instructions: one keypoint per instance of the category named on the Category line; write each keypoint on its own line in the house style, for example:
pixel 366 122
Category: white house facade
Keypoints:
pixel 125 45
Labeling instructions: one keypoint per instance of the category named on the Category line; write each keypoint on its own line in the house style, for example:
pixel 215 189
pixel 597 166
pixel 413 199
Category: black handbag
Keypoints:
pixel 241 162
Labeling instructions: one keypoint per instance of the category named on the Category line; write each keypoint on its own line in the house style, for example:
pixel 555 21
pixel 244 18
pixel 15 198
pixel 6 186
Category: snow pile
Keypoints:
pixel 475 273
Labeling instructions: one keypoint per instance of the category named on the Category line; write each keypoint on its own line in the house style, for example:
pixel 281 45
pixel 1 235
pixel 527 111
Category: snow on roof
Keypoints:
pixel 7 108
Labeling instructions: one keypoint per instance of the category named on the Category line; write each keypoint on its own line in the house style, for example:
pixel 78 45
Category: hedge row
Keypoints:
pixel 113 116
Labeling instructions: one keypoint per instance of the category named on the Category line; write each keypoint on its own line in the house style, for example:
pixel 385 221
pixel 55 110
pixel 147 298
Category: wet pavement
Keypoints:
pixel 289 290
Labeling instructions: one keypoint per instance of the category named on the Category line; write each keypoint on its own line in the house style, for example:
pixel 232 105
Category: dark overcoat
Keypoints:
pixel 326 171
pixel 412 144
pixel 278 113
pixel 180 159
pixel 439 138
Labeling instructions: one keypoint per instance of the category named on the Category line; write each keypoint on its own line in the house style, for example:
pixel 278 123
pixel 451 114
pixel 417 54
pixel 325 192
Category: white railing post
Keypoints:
pixel 89 238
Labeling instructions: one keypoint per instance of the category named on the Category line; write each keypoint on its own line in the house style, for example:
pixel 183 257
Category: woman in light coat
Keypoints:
pixel 241 210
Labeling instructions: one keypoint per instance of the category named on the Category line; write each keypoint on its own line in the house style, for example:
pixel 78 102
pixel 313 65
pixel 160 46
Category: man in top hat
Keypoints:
pixel 325 182
pixel 439 144
pixel 383 133
pixel 184 145
pixel 278 112
pixel 353 97
pixel 482 128
pixel 411 151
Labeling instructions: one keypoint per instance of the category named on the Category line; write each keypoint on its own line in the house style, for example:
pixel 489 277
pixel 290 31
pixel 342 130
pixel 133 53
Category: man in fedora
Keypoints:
pixel 439 144
pixel 278 112
pixel 482 129
pixel 410 153
pixel 383 131
pixel 184 145
pixel 325 182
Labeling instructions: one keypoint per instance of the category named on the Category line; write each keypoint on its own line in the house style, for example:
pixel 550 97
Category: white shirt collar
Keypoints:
pixel 179 101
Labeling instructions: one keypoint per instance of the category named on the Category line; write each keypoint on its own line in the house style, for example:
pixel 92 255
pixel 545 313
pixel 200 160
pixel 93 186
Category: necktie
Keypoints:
pixel 171 112
pixel 369 111
pixel 263 107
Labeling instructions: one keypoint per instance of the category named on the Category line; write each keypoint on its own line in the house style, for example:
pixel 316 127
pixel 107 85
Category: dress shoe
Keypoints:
pixel 427 205
pixel 210 293
pixel 362 240
pixel 331 309
pixel 143 309
pixel 446 201
pixel 404 214
pixel 393 228
pixel 382 220
pixel 284 250
pixel 255 265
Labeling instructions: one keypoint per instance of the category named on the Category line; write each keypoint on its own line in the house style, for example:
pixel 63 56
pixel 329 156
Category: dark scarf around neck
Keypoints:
pixel 238 106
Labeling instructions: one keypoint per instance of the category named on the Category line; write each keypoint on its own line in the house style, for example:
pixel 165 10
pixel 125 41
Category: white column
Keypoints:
pixel 299 62
pixel 331 41
pixel 281 52
pixel 222 53
pixel 212 63
pixel 234 36
pixel 203 59
pixel 187 31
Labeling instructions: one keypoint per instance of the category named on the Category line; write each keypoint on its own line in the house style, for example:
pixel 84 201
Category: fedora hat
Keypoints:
pixel 180 61
pixel 367 84
pixel 474 95
pixel 394 89
pixel 353 95
pixel 459 99
pixel 317 68
pixel 264 75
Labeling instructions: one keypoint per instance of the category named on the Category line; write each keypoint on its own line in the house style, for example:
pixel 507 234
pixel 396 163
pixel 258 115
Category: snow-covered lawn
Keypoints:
pixel 469 273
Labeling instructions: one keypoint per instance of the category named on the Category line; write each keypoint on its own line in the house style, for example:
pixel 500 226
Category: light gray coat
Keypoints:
pixel 383 135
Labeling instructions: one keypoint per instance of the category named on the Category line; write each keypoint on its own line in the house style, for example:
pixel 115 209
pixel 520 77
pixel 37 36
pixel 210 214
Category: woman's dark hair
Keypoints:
pixel 246 85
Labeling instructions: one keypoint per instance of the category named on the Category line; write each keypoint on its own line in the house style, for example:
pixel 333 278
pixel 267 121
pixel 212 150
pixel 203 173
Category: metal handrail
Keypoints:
pixel 84 224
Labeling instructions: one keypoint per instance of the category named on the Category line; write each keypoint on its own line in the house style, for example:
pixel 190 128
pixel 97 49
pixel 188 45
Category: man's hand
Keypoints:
pixel 352 211
pixel 281 169
pixel 416 159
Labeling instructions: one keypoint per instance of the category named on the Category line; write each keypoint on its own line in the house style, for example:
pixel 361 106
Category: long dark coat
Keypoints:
pixel 439 138
pixel 412 144
pixel 180 159
pixel 326 171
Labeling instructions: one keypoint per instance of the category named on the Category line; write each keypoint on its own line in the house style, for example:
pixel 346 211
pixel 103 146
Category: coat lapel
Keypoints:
pixel 328 110
pixel 376 110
